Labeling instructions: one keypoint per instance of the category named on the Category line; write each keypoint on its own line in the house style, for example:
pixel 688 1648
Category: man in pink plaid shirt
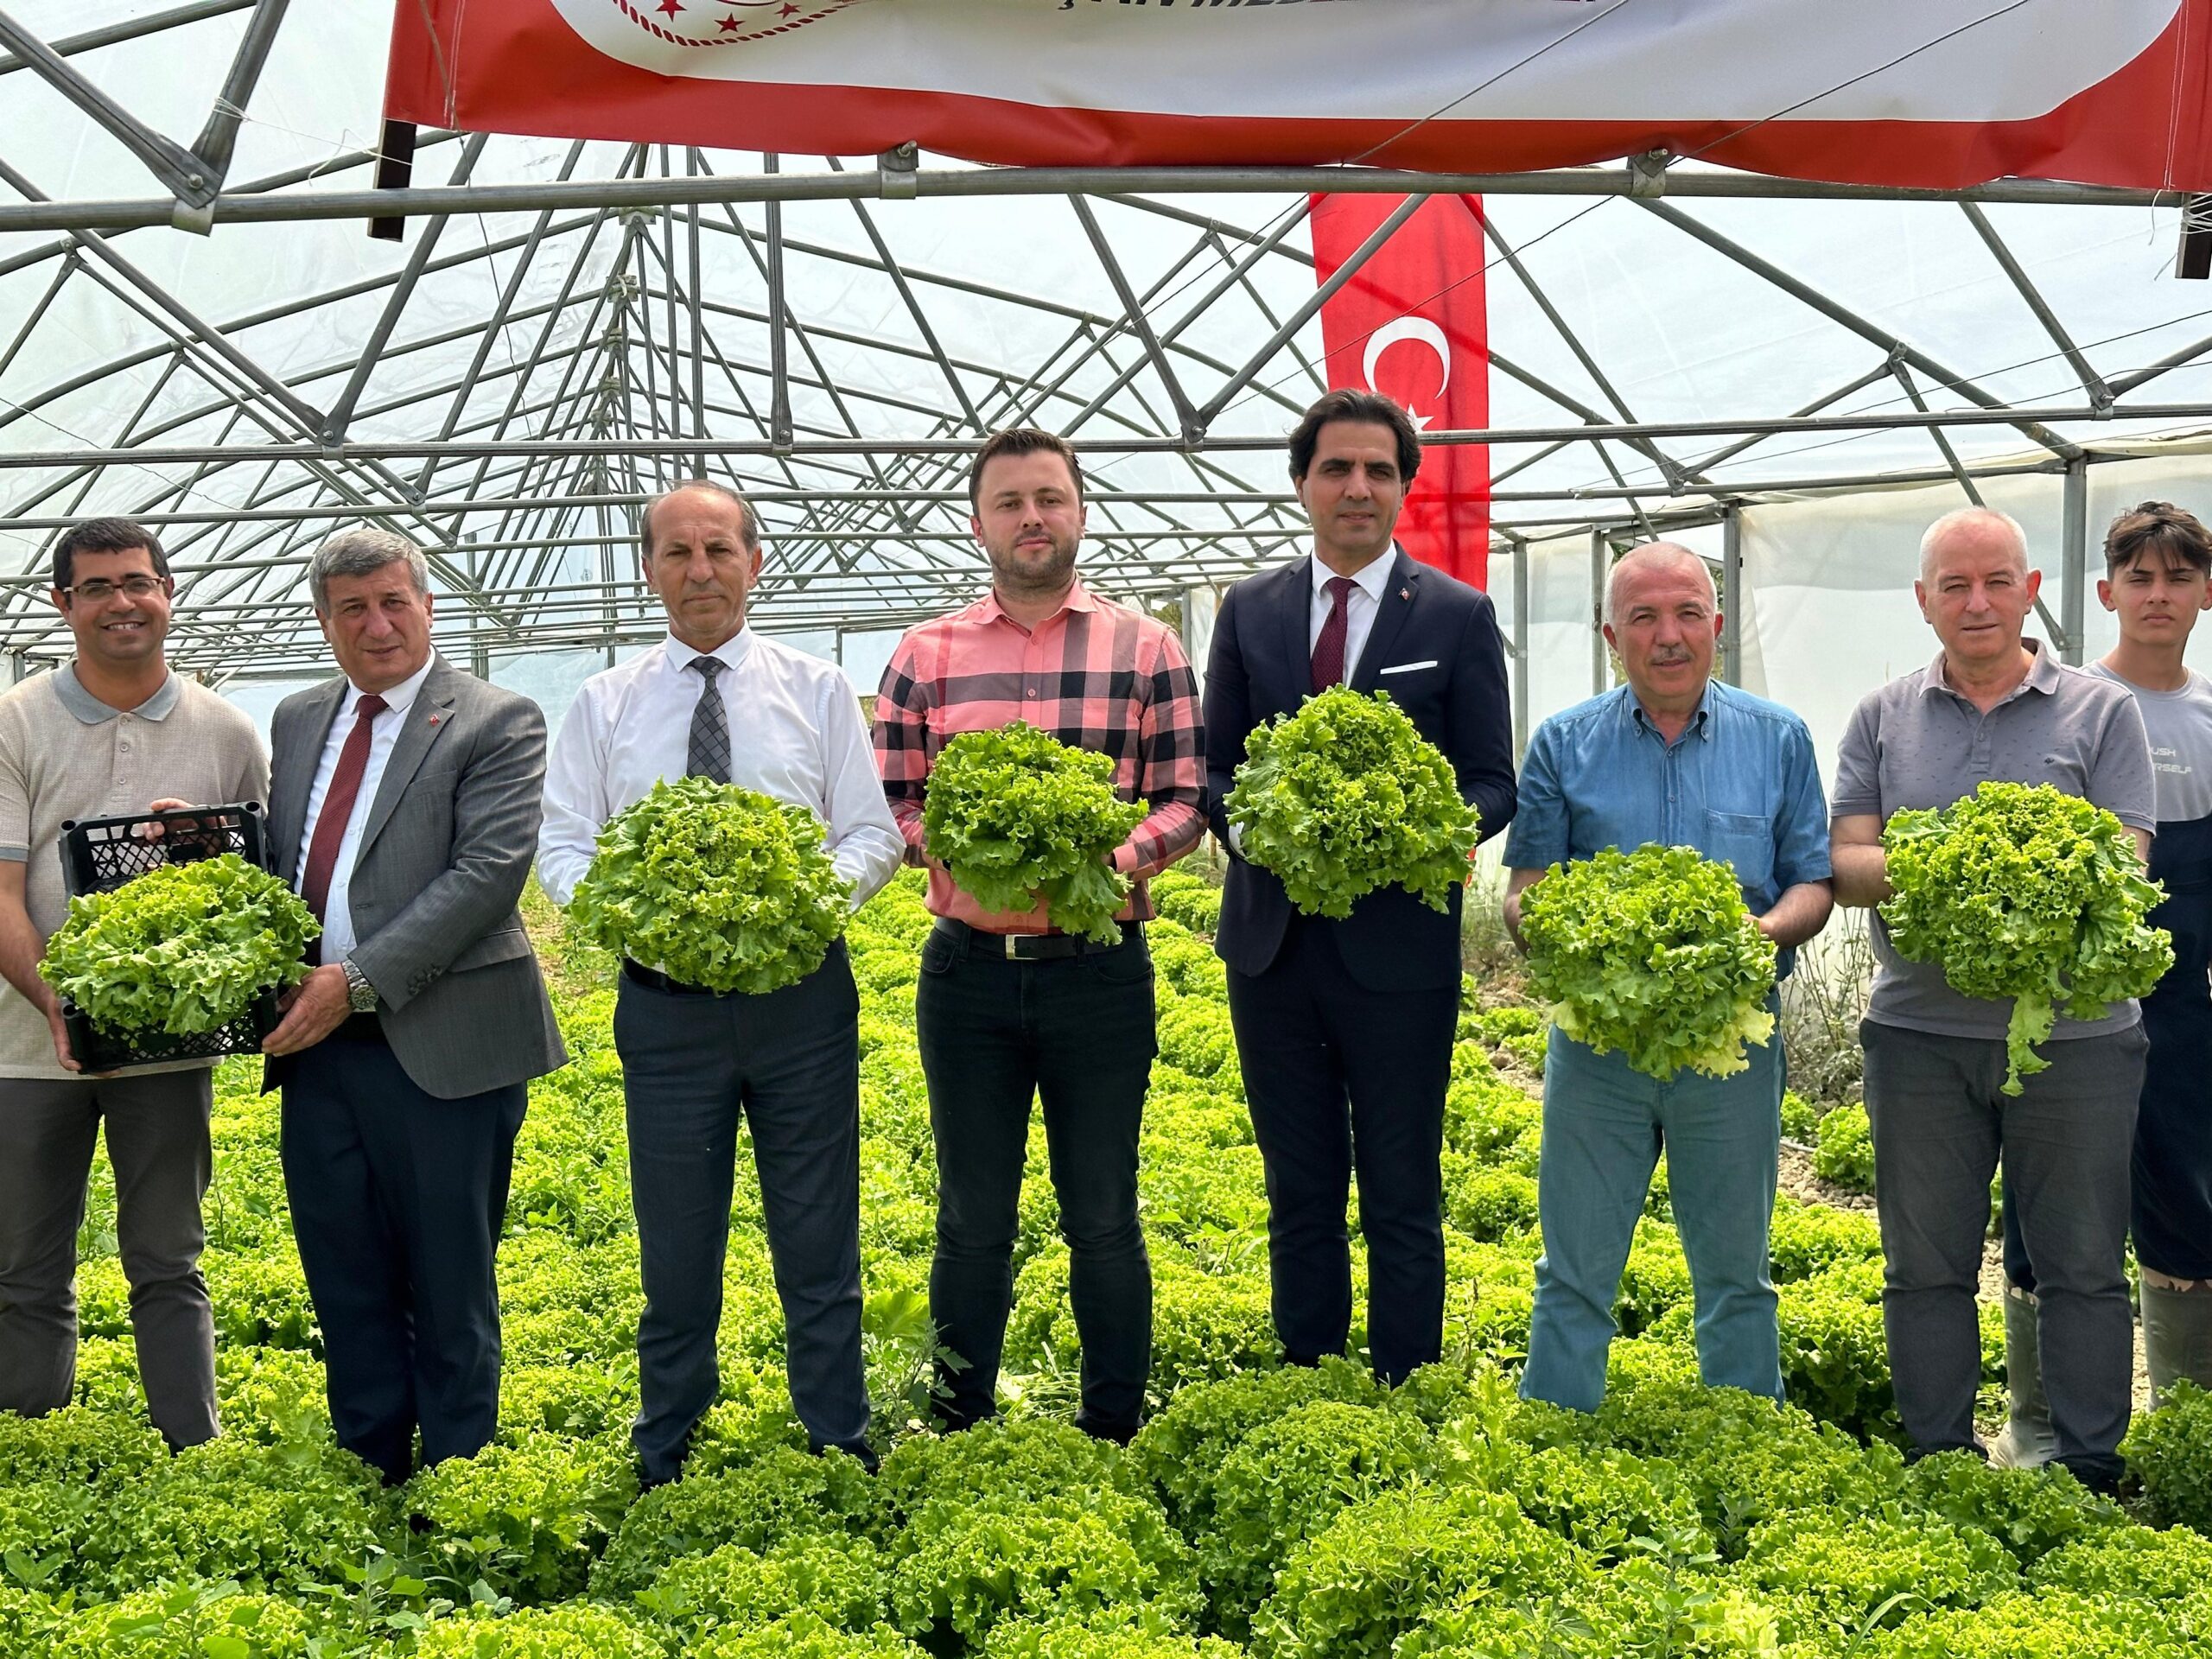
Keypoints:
pixel 1008 1008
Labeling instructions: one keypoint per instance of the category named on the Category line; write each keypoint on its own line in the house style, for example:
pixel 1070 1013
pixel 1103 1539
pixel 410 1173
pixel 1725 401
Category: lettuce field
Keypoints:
pixel 1286 1514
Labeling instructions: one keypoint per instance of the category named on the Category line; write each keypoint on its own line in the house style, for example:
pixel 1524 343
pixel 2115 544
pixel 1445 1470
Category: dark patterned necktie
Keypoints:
pixel 708 754
pixel 1329 648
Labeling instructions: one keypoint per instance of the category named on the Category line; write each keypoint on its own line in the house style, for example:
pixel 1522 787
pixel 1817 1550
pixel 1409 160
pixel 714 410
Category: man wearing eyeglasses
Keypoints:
pixel 103 736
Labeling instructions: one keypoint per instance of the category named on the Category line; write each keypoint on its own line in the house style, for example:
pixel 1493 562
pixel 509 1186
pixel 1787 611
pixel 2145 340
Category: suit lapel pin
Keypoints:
pixel 1405 592
pixel 434 720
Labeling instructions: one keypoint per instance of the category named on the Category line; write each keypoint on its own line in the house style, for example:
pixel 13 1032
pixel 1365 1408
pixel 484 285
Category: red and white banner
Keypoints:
pixel 1914 92
pixel 1411 324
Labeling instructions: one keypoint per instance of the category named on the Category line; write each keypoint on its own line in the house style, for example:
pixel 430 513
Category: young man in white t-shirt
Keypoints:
pixel 2157 581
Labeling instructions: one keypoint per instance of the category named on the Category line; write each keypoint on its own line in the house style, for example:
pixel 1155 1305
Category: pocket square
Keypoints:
pixel 1406 668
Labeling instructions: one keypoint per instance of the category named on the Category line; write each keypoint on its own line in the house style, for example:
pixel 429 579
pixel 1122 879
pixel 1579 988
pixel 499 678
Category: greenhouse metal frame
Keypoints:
pixel 648 313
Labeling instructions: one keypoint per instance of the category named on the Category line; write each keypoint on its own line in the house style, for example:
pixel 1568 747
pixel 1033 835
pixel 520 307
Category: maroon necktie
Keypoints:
pixel 1329 648
pixel 338 806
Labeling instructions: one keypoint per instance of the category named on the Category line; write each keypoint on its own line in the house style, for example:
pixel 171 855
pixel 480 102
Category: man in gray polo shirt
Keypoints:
pixel 99 737
pixel 1991 706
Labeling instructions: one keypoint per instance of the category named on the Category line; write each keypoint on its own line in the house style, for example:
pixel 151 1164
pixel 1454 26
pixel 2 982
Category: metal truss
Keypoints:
pixel 545 353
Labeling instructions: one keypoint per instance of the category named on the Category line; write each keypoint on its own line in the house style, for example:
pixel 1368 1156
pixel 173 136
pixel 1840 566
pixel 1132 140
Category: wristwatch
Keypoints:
pixel 360 995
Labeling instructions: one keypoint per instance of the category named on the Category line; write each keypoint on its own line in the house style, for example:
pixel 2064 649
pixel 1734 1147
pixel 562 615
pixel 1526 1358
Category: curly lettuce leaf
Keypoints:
pixel 181 949
pixel 1346 796
pixel 1017 816
pixel 1653 953
pixel 715 886
pixel 2023 893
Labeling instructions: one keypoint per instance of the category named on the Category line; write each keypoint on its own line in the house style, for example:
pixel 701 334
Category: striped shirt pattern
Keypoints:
pixel 1096 674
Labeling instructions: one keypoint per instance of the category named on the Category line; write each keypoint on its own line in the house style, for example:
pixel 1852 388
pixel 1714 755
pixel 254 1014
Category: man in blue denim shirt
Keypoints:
pixel 1674 758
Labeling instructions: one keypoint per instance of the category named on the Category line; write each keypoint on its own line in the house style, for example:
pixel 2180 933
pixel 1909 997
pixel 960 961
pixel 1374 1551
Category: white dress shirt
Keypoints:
pixel 795 734
pixel 1366 598
pixel 338 940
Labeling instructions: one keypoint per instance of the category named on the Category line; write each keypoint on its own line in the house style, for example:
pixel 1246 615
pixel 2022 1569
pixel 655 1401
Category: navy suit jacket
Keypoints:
pixel 1442 637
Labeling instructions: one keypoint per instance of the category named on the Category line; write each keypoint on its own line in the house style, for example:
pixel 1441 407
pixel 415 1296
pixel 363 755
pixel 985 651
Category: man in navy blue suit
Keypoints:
pixel 1344 1028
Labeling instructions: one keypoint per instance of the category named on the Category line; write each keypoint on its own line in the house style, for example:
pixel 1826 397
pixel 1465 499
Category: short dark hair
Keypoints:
pixel 2162 527
pixel 362 551
pixel 1368 407
pixel 749 529
pixel 103 535
pixel 1021 440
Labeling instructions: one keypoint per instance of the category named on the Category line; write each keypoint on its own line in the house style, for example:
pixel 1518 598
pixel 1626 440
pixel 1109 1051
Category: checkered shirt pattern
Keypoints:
pixel 1096 674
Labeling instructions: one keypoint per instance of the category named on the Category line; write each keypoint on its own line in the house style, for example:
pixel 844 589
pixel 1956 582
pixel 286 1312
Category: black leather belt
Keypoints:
pixel 1029 947
pixel 653 980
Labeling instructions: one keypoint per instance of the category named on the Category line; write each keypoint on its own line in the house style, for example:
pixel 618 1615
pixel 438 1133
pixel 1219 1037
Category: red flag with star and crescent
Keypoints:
pixel 1879 91
pixel 1412 323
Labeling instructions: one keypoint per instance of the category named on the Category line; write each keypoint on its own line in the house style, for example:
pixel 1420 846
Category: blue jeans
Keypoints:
pixel 1604 1125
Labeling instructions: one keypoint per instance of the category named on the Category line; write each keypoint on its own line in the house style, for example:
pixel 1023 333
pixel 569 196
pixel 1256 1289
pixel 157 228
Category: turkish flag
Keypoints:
pixel 1881 92
pixel 1412 324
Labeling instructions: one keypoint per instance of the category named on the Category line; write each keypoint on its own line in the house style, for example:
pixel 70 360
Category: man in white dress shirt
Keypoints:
pixel 404 805
pixel 715 700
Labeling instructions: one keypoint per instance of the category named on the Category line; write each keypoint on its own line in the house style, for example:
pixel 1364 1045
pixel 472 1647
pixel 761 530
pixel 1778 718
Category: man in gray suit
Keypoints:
pixel 404 805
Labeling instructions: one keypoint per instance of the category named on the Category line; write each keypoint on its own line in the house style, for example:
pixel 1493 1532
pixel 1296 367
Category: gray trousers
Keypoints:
pixel 157 1143
pixel 1941 1127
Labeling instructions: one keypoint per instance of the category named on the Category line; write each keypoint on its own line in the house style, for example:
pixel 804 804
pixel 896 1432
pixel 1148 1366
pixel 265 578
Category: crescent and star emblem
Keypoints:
pixel 723 22
pixel 1417 331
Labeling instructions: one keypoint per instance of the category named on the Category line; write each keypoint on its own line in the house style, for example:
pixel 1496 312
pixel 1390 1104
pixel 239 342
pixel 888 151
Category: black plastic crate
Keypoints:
pixel 100 854
pixel 97 1052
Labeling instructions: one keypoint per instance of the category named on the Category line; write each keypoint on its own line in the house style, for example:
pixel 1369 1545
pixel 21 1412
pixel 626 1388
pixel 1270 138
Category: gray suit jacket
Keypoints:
pixel 444 852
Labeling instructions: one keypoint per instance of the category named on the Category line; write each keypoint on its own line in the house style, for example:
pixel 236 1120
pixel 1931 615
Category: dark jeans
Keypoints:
pixel 1941 1128
pixel 789 1062
pixel 1341 1079
pixel 1076 1033
pixel 157 1143
pixel 2172 1180
pixel 399 1199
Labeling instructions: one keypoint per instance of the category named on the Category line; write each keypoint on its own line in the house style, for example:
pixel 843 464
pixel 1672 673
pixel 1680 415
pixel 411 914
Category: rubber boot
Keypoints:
pixel 2029 1441
pixel 2177 1335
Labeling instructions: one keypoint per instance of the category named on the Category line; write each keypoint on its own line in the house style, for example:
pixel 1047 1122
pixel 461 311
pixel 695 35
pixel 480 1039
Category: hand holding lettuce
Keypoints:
pixel 2023 893
pixel 1015 815
pixel 714 886
pixel 1655 954
pixel 182 950
pixel 1344 797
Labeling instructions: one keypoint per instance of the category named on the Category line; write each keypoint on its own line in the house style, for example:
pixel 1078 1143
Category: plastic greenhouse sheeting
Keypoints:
pixel 1601 309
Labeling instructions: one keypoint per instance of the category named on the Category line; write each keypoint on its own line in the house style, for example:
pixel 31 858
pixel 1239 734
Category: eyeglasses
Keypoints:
pixel 98 590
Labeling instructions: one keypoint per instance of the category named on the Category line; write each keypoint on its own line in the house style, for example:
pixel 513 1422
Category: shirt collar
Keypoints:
pixel 91 710
pixel 987 609
pixel 1700 721
pixel 1373 576
pixel 731 653
pixel 400 698
pixel 2044 673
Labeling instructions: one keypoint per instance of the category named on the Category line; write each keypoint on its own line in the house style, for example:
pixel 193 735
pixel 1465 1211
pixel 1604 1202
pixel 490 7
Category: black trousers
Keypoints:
pixel 1341 1079
pixel 1077 1034
pixel 789 1062
pixel 399 1199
